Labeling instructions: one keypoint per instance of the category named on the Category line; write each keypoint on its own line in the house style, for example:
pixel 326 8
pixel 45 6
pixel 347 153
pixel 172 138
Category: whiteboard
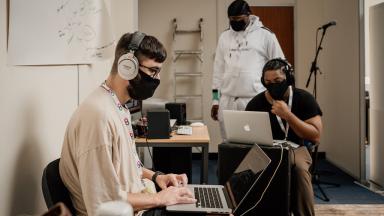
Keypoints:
pixel 44 32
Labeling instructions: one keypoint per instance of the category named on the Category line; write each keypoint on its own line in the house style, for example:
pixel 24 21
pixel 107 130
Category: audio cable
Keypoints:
pixel 270 180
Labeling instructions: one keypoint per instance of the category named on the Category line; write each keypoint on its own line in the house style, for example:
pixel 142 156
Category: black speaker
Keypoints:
pixel 158 124
pixel 177 111
pixel 276 200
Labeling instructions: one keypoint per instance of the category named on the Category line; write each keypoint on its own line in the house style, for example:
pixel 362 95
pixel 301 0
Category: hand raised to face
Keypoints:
pixel 280 108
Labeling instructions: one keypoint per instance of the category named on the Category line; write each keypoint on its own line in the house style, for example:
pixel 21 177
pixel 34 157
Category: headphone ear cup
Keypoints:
pixel 128 66
pixel 290 76
pixel 262 80
pixel 288 70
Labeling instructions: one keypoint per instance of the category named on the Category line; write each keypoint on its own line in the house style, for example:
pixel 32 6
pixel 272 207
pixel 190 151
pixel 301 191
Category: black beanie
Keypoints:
pixel 238 7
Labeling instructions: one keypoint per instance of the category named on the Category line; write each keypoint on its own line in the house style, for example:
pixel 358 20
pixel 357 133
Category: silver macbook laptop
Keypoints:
pixel 248 127
pixel 225 199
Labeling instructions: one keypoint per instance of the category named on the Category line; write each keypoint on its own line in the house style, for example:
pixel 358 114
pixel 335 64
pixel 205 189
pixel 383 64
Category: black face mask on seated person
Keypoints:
pixel 143 87
pixel 277 90
pixel 240 25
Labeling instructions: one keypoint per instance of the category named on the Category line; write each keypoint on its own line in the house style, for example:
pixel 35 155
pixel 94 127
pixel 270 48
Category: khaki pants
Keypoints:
pixel 302 200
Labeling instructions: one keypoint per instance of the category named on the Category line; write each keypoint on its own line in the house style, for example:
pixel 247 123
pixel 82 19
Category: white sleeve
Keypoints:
pixel 218 65
pixel 97 175
pixel 273 48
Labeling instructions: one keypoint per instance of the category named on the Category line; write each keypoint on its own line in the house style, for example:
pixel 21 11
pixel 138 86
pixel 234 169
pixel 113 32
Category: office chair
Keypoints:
pixel 59 209
pixel 313 149
pixel 54 190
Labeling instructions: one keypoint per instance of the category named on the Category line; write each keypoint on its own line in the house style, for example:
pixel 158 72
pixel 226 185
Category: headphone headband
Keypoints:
pixel 287 69
pixel 137 37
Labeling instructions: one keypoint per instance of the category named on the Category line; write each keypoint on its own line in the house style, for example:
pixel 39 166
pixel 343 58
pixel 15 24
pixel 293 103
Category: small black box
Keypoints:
pixel 158 124
pixel 177 111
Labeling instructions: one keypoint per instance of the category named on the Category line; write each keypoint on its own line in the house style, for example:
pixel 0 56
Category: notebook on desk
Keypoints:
pixel 225 199
pixel 249 127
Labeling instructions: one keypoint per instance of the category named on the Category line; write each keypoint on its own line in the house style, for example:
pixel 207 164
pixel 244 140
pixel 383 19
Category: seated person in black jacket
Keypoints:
pixel 295 116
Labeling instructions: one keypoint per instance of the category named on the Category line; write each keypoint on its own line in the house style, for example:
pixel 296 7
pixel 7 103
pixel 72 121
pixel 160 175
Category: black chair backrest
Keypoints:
pixel 54 190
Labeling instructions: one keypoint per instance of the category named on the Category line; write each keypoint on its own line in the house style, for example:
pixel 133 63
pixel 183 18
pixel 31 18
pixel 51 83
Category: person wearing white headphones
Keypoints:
pixel 99 162
pixel 241 53
pixel 295 116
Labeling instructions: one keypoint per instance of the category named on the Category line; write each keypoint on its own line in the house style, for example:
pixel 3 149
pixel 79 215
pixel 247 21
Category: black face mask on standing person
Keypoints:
pixel 143 87
pixel 277 90
pixel 238 25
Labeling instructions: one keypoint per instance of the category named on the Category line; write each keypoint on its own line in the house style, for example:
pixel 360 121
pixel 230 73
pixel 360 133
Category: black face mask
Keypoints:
pixel 277 90
pixel 142 88
pixel 240 25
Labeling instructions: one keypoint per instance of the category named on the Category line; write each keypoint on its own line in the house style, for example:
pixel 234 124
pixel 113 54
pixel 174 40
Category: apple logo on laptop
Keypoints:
pixel 247 128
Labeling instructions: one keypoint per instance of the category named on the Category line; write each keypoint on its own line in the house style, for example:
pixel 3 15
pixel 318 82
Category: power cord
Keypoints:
pixel 270 180
pixel 249 190
pixel 146 138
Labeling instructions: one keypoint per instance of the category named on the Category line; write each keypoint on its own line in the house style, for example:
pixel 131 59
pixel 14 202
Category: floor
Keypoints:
pixel 350 210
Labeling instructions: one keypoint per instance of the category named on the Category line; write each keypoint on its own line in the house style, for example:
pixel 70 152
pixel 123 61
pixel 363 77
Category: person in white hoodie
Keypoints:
pixel 241 53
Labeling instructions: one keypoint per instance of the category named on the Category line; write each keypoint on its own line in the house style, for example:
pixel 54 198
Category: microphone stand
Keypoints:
pixel 316 173
pixel 314 67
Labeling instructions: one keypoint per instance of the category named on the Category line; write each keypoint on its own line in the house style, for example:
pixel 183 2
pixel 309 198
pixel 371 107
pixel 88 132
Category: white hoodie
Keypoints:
pixel 240 57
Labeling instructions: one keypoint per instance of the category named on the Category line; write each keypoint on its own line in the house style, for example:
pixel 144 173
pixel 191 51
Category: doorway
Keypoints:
pixel 279 19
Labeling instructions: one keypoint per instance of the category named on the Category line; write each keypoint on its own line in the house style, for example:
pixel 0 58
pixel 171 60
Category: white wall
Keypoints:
pixel 36 104
pixel 376 17
pixel 155 17
pixel 367 5
pixel 339 85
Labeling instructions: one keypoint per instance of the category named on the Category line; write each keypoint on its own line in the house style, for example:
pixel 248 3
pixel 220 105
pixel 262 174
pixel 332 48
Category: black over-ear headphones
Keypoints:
pixel 287 69
pixel 128 65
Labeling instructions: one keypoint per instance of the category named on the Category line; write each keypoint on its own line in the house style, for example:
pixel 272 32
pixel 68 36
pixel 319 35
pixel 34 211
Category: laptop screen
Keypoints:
pixel 246 174
pixel 248 127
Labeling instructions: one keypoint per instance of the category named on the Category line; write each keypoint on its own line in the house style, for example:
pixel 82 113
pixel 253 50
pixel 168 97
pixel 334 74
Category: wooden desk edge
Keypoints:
pixel 199 135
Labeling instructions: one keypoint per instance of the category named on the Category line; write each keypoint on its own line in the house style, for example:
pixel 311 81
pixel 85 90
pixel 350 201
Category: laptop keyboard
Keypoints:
pixel 208 197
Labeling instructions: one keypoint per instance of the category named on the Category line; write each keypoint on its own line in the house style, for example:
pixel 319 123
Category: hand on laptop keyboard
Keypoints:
pixel 175 195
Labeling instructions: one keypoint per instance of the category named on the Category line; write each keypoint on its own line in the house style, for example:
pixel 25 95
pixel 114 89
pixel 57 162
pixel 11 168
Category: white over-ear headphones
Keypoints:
pixel 128 65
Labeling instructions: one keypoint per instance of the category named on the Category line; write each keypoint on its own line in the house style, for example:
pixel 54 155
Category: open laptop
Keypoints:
pixel 249 127
pixel 225 199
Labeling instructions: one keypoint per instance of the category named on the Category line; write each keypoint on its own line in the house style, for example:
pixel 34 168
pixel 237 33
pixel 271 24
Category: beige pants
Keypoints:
pixel 302 200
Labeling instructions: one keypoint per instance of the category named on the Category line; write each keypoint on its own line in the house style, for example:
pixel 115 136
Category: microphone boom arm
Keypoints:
pixel 314 68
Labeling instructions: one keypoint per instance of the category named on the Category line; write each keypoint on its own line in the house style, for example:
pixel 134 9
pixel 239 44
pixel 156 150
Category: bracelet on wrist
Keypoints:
pixel 155 176
pixel 215 94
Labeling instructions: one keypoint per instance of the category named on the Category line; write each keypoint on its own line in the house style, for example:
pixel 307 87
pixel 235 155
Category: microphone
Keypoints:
pixel 325 26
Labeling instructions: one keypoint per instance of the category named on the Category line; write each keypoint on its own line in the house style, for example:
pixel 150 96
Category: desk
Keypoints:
pixel 199 138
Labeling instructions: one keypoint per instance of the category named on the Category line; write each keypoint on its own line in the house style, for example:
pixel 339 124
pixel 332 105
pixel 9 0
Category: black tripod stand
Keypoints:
pixel 314 69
